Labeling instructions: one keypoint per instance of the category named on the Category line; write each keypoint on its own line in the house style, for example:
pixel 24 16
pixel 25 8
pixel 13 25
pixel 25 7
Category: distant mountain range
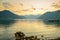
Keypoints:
pixel 55 15
pixel 5 14
pixel 32 16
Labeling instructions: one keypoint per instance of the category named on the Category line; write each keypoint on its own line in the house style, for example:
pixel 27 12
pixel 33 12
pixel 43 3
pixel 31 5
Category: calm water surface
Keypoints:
pixel 29 27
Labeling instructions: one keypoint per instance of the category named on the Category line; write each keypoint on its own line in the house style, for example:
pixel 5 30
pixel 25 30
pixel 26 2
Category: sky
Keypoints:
pixel 30 7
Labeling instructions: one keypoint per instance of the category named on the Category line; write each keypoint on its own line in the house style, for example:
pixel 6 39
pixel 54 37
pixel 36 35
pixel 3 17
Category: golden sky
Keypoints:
pixel 30 7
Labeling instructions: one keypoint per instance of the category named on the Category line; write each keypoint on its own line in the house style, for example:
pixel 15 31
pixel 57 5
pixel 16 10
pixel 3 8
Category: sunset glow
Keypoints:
pixel 30 7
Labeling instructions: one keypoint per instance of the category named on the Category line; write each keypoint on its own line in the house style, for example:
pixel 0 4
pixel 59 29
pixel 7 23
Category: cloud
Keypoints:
pixel 55 5
pixel 5 4
pixel 21 4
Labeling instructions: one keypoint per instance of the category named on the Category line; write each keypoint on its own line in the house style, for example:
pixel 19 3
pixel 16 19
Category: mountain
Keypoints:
pixel 31 16
pixel 5 14
pixel 51 15
pixel 55 15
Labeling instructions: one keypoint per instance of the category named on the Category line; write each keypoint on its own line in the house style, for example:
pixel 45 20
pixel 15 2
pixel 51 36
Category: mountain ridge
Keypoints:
pixel 46 16
pixel 6 14
pixel 55 15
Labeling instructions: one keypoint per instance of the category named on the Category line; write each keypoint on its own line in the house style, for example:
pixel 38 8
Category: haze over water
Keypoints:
pixel 29 27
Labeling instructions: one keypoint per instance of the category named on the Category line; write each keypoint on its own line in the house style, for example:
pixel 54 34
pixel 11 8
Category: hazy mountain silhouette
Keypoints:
pixel 31 16
pixel 46 16
pixel 51 18
pixel 55 15
pixel 51 15
pixel 9 15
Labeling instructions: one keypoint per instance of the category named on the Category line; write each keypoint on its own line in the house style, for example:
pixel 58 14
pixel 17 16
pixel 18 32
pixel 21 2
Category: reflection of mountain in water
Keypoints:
pixel 7 17
pixel 6 22
pixel 51 17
